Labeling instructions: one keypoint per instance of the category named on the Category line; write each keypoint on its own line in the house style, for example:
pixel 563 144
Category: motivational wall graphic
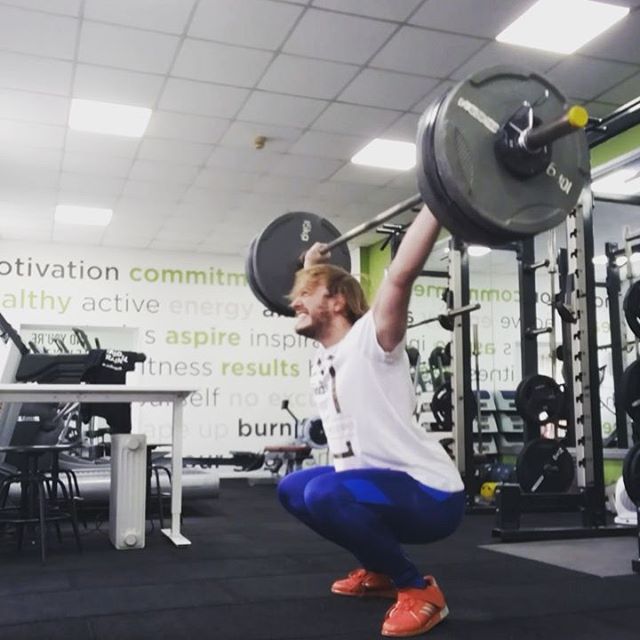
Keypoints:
pixel 198 323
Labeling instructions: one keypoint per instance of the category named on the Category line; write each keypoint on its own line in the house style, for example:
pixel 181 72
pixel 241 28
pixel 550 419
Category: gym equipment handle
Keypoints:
pixel 575 118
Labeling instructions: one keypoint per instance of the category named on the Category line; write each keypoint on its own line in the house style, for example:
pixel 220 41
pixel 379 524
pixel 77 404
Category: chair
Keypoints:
pixel 42 497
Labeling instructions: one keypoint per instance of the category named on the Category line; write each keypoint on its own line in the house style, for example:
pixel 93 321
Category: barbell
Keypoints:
pixel 495 164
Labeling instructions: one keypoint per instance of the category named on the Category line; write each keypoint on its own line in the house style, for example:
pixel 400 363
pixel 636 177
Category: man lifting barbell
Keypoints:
pixel 496 164
pixel 389 483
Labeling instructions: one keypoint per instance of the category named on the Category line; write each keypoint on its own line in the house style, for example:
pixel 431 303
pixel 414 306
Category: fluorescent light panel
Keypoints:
pixel 562 26
pixel 89 216
pixel 387 154
pixel 108 118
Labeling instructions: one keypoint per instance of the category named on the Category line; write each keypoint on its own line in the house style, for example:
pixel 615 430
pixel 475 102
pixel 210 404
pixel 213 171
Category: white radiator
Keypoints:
pixel 127 499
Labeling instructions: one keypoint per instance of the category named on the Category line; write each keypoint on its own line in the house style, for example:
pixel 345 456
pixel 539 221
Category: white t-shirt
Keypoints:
pixel 366 399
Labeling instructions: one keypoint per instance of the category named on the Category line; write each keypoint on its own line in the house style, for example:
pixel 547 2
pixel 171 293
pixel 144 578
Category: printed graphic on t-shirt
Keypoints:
pixel 343 442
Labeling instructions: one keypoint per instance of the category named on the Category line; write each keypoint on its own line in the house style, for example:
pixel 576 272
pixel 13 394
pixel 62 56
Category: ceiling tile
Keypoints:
pixel 158 191
pixel 405 128
pixel 385 9
pixel 284 188
pixel 125 240
pixel 207 199
pixel 163 172
pixel 387 89
pixel 222 63
pixel 164 124
pixel 600 109
pixel 623 92
pixel 36 196
pixel 245 160
pixel 126 48
pixel 307 77
pixel 352 119
pixel 13 134
pixel 243 134
pixel 273 108
pixel 225 180
pixel 306 167
pixel 169 150
pixel 63 7
pixel 144 212
pixel 620 42
pixel 21 158
pixel 251 23
pixel 77 234
pixel 429 53
pixel 110 166
pixel 85 142
pixel 37 33
pixel 156 15
pixel 340 192
pixel 170 245
pixel 200 227
pixel 497 53
pixel 328 145
pixel 71 194
pixel 115 85
pixel 188 96
pixel 31 73
pixel 102 186
pixel 363 175
pixel 466 16
pixel 33 107
pixel 586 78
pixel 332 36
pixel 437 92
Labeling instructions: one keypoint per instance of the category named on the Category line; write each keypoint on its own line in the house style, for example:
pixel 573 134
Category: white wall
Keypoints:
pixel 204 330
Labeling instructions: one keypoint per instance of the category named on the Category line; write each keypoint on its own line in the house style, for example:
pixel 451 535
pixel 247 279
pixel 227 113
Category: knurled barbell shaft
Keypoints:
pixel 392 212
pixel 574 119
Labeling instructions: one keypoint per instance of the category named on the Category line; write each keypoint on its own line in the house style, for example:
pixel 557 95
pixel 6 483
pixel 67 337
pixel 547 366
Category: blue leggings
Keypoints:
pixel 370 512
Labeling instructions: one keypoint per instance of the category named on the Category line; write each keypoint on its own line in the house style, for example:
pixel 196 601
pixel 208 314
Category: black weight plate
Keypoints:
pixel 464 138
pixel 544 466
pixel 251 280
pixel 432 191
pixel 629 390
pixel 539 399
pixel 277 251
pixel 631 307
pixel 468 227
pixel 631 473
pixel 442 407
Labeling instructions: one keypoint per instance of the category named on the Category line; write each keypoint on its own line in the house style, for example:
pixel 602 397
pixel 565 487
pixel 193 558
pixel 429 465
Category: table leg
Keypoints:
pixel 176 483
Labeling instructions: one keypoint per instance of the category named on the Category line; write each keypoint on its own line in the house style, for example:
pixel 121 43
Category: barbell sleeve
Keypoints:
pixel 392 212
pixel 574 119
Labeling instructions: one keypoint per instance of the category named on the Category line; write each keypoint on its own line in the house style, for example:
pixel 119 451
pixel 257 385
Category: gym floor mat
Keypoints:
pixel 602 557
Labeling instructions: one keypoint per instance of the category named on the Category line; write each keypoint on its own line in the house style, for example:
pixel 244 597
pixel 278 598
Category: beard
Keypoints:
pixel 316 325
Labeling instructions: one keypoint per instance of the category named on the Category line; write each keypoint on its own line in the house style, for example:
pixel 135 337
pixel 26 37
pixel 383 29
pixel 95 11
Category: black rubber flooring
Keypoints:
pixel 254 573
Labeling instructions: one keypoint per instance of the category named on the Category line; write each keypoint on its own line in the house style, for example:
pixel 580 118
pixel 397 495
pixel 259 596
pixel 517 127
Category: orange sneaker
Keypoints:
pixel 416 611
pixel 363 583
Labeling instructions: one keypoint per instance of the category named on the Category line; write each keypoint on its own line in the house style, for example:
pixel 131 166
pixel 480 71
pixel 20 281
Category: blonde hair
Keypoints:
pixel 338 282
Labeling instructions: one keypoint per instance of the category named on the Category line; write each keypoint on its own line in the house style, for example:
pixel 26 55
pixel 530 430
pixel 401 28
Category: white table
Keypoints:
pixel 31 392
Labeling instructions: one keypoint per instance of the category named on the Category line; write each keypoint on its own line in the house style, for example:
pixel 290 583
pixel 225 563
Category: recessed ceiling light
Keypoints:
pixel 387 154
pixel 477 251
pixel 91 216
pixel 108 118
pixel 562 26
